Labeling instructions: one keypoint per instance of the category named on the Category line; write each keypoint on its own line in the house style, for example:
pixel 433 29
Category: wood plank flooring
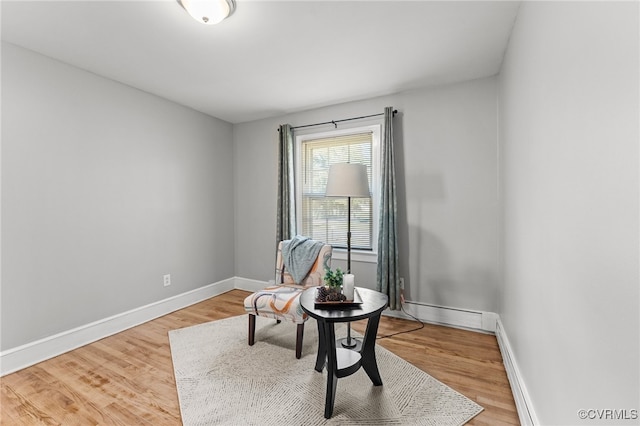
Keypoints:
pixel 127 379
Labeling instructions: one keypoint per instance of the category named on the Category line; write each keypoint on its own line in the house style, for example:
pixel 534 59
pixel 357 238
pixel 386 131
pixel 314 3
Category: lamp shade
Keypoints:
pixel 208 12
pixel 347 180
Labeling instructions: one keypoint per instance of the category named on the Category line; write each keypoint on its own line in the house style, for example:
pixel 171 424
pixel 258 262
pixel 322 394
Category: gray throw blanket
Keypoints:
pixel 299 254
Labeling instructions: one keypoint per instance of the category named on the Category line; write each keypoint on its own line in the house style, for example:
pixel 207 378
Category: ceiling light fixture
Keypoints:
pixel 208 12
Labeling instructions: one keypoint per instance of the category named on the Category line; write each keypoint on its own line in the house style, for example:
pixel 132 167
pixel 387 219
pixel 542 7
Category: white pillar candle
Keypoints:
pixel 348 282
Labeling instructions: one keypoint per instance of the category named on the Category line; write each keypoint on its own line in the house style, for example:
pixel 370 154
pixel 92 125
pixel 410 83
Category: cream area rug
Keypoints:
pixel 223 381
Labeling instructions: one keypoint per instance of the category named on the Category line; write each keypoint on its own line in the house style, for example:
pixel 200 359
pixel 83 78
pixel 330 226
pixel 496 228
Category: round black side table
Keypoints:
pixel 342 362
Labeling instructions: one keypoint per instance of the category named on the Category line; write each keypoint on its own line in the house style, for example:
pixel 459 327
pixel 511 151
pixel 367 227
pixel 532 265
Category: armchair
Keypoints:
pixel 282 301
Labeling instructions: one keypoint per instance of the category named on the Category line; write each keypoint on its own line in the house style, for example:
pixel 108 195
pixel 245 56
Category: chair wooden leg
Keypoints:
pixel 252 329
pixel 299 336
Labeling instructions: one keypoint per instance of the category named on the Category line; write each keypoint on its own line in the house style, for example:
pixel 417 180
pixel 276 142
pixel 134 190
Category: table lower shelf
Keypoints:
pixel 346 358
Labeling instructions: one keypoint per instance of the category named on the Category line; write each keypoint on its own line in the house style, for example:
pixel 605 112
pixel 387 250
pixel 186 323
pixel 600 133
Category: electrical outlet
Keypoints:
pixel 167 279
pixel 401 283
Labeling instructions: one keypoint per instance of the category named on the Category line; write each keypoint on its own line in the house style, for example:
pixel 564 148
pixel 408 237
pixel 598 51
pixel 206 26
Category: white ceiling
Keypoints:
pixel 270 57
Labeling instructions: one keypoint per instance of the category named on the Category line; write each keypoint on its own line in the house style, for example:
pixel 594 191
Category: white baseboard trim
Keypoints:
pixel 20 357
pixel 521 396
pixel 249 284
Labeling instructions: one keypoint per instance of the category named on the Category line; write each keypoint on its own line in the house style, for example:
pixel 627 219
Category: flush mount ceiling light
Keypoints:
pixel 208 12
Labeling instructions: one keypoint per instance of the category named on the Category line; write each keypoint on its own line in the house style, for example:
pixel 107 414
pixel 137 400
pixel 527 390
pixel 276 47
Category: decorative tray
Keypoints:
pixel 357 301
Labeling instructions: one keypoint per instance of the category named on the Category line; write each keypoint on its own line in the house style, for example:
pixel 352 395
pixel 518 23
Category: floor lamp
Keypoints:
pixel 348 180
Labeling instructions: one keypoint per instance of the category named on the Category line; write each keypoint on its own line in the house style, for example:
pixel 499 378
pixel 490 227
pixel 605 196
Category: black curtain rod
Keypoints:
pixel 335 122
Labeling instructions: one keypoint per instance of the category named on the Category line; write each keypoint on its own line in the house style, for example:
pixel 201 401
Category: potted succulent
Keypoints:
pixel 331 292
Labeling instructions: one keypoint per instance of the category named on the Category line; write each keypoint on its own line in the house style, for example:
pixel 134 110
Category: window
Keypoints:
pixel 325 218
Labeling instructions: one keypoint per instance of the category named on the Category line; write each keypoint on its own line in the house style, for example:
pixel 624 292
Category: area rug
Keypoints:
pixel 223 381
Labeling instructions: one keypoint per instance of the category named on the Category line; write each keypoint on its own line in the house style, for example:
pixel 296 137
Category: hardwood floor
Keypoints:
pixel 127 379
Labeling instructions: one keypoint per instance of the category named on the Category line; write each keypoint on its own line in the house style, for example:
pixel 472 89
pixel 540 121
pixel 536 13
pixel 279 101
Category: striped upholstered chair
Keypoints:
pixel 282 300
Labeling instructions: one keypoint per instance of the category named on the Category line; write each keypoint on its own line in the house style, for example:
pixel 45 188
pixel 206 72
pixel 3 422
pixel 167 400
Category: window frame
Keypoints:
pixel 357 255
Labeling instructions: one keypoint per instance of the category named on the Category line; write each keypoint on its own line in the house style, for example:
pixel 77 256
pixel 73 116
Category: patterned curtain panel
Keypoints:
pixel 286 216
pixel 387 278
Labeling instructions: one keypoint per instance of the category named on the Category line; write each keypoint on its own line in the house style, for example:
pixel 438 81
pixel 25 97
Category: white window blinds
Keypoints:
pixel 325 218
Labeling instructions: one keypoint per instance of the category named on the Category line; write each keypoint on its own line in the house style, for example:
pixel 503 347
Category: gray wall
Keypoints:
pixel 104 190
pixel 448 195
pixel 569 139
